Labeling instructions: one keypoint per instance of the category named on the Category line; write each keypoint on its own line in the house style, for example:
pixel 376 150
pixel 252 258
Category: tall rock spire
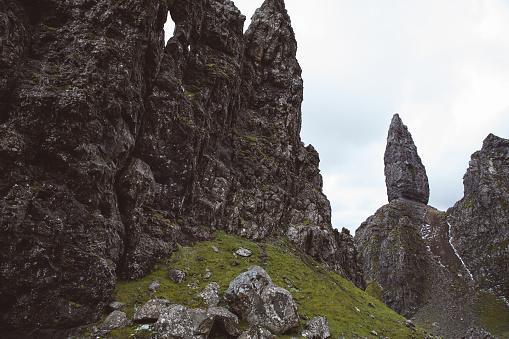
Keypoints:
pixel 405 175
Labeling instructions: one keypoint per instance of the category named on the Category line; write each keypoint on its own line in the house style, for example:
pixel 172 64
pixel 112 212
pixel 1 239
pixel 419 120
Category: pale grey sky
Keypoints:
pixel 442 65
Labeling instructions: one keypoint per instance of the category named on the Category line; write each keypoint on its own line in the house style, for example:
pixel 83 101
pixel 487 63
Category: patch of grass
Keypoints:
pixel 373 289
pixel 316 290
pixel 494 314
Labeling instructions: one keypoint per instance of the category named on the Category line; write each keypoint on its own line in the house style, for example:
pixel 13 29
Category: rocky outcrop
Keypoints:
pixel 405 175
pixel 337 251
pixel 480 220
pixel 411 256
pixel 115 147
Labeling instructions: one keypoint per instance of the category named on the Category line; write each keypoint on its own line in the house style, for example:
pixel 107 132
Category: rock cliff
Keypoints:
pixel 480 221
pixel 116 147
pixel 428 264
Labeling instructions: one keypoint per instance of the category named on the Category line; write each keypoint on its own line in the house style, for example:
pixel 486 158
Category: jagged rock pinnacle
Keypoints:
pixel 405 175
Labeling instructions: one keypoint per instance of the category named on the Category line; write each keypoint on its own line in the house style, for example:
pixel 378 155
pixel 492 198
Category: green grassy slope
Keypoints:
pixel 316 290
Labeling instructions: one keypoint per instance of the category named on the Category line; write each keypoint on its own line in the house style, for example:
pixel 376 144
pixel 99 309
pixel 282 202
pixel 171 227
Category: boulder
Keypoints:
pixel 177 276
pixel 405 175
pixel 175 322
pixel 256 332
pixel 151 311
pixel 211 294
pixel 254 297
pixel 116 320
pixel 317 328
pixel 226 319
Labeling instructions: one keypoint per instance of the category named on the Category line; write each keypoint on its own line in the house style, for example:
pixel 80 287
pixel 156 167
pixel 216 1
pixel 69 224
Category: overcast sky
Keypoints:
pixel 442 65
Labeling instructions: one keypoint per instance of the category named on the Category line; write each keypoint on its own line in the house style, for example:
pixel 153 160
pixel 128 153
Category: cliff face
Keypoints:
pixel 480 221
pixel 116 147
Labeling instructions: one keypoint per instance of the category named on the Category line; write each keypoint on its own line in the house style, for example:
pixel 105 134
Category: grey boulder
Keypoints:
pixel 116 320
pixel 151 311
pixel 317 328
pixel 254 297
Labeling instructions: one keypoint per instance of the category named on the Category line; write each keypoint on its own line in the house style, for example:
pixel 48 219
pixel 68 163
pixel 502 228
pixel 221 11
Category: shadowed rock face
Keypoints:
pixel 115 147
pixel 405 175
pixel 480 221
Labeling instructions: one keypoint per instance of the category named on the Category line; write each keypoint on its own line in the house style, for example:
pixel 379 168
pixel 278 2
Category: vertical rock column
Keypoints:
pixel 405 175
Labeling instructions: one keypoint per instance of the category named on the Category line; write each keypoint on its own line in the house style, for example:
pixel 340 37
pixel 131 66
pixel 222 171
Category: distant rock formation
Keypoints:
pixel 480 220
pixel 405 175
pixel 428 264
pixel 116 147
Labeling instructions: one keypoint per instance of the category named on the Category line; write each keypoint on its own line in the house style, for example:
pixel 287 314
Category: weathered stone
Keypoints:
pixel 116 320
pixel 151 311
pixel 243 252
pixel 177 276
pixel 317 328
pixel 405 175
pixel 116 305
pixel 207 274
pixel 153 286
pixel 211 294
pixel 229 321
pixel 256 332
pixel 255 298
pixel 175 322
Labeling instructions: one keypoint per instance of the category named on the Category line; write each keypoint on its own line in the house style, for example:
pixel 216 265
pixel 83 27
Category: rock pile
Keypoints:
pixel 252 296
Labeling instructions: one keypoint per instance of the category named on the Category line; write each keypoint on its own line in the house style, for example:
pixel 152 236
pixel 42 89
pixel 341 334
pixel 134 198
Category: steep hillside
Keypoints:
pixel 351 313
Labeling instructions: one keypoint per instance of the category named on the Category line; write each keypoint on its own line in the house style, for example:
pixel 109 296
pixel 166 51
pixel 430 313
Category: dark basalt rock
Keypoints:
pixel 405 175
pixel 115 147
pixel 480 220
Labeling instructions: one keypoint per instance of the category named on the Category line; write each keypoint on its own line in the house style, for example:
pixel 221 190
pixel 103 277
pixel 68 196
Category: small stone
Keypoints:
pixel 371 305
pixel 208 274
pixel 116 320
pixel 243 252
pixel 257 332
pixel 211 294
pixel 215 249
pixel 374 333
pixel 116 305
pixel 289 283
pixel 357 309
pixel 151 311
pixel 177 276
pixel 317 328
pixel 154 285
pixel 409 323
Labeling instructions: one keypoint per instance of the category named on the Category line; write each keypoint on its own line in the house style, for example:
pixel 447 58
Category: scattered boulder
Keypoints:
pixel 115 305
pixel 215 249
pixel 243 252
pixel 153 286
pixel 227 319
pixel 409 323
pixel 116 320
pixel 177 276
pixel 175 322
pixel 207 274
pixel 211 294
pixel 256 332
pixel 317 328
pixel 151 311
pixel 255 298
